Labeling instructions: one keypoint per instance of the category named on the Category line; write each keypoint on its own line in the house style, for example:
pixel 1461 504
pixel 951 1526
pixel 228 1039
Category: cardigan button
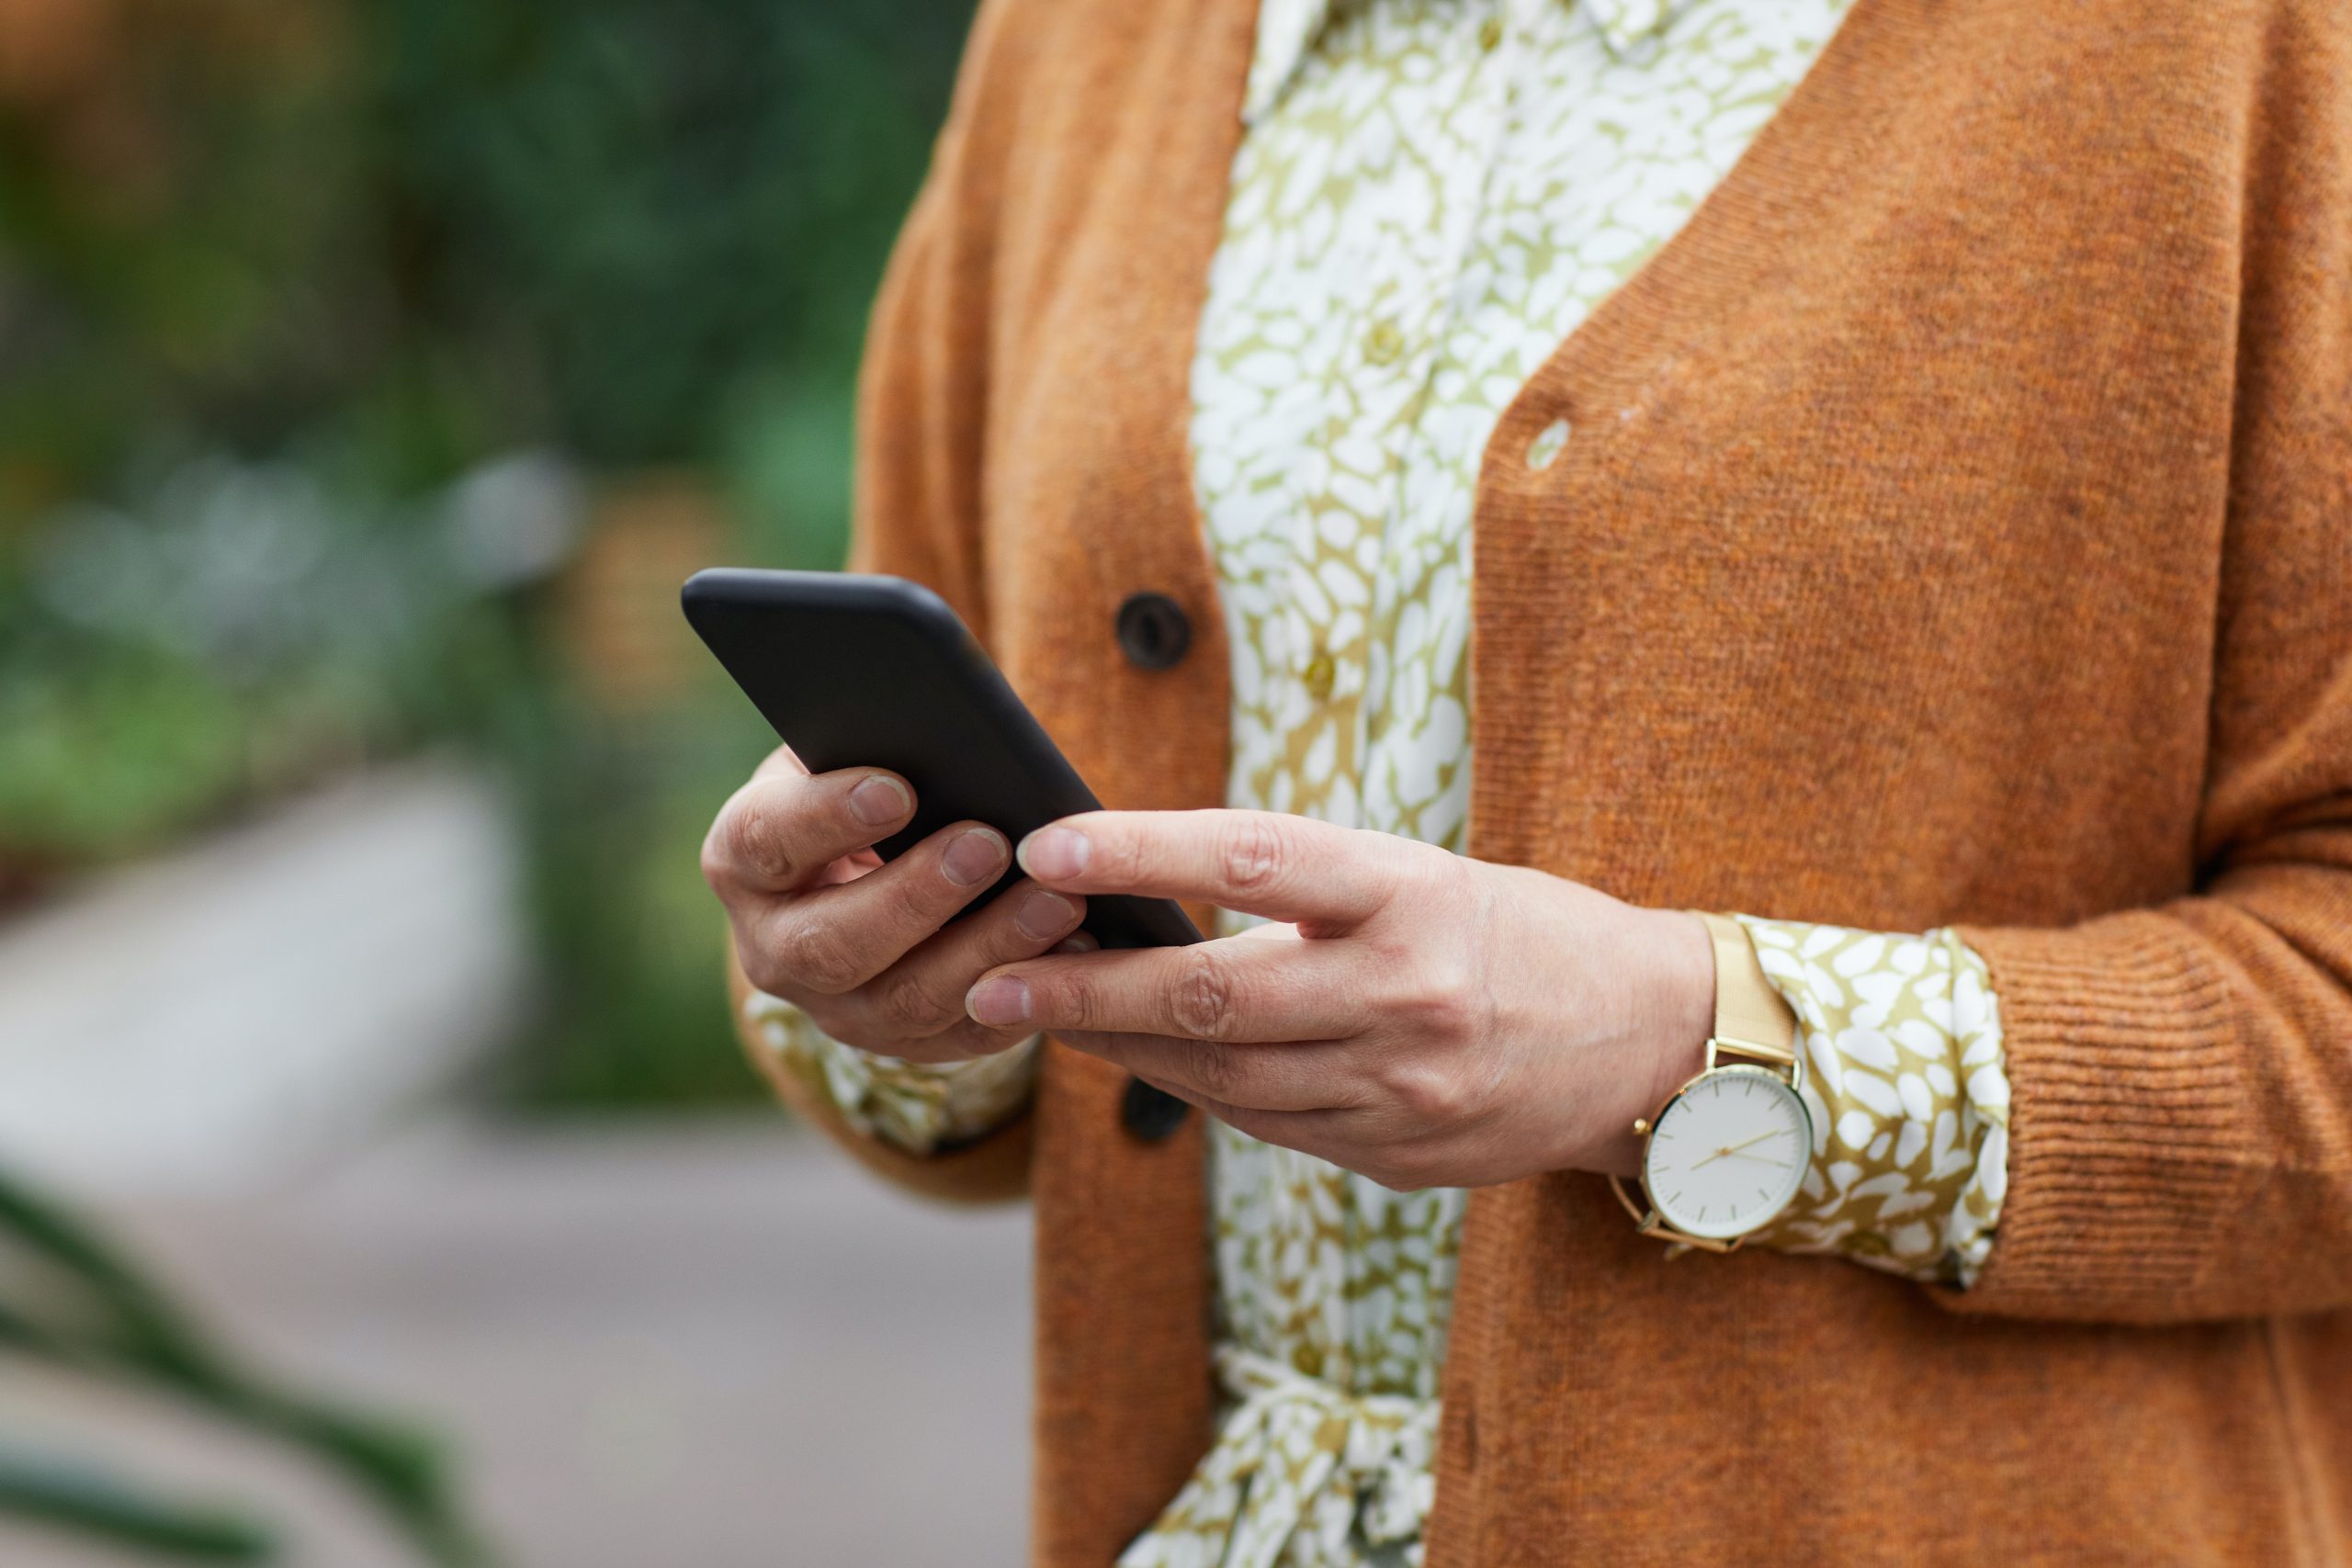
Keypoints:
pixel 1153 631
pixel 1151 1114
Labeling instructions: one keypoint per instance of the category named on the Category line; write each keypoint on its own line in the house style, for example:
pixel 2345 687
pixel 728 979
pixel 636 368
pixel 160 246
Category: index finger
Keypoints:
pixel 1259 862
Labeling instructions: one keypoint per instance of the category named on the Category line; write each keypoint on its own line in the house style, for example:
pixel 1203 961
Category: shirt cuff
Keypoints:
pixel 917 1107
pixel 1910 1102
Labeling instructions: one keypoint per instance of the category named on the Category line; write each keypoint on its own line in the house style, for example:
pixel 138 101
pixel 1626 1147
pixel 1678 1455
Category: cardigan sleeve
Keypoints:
pixel 2181 1120
pixel 2181 1076
pixel 924 383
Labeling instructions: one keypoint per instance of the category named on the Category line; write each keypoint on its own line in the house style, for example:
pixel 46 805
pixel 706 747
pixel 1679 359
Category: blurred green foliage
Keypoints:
pixel 637 232
pixel 327 328
pixel 69 1296
pixel 680 207
pixel 304 303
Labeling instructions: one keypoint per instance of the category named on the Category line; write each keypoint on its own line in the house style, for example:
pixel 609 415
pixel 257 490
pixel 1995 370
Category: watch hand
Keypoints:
pixel 1759 1160
pixel 1734 1148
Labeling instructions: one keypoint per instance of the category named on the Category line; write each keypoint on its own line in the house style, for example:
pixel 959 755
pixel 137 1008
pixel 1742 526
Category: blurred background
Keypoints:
pixel 379 1178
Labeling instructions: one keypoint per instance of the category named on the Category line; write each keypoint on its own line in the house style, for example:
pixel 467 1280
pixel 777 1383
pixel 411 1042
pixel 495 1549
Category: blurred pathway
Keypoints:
pixel 249 1006
pixel 698 1344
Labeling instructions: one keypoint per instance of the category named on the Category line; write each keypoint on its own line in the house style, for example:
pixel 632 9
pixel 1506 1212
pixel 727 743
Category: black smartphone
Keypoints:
pixel 855 671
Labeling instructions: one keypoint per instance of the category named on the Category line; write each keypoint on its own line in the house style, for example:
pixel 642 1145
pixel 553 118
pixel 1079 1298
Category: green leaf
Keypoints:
pixel 83 1500
pixel 127 1328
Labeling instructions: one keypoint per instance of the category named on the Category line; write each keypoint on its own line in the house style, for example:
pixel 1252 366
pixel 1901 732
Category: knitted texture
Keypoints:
pixel 1953 524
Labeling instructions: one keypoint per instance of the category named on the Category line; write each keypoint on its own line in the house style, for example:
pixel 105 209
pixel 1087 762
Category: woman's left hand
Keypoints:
pixel 1424 1020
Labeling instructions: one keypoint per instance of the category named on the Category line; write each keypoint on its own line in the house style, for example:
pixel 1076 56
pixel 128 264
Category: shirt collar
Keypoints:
pixel 1287 31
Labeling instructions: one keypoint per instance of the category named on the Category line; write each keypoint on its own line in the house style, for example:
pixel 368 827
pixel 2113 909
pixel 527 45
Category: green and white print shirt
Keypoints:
pixel 1430 196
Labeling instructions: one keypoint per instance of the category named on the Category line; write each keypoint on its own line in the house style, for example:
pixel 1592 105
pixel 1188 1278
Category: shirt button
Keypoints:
pixel 1153 631
pixel 1548 444
pixel 1148 1113
pixel 1490 33
pixel 1320 675
pixel 1384 344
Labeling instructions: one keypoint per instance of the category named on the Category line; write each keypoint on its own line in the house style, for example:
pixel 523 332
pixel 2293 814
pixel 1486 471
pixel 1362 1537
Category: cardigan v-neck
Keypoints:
pixel 2000 391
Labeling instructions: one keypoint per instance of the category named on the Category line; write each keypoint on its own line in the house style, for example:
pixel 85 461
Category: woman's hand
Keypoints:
pixel 865 948
pixel 1424 1020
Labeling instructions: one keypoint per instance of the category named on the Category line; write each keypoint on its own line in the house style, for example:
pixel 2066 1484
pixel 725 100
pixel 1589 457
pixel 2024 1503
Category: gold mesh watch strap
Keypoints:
pixel 1752 1018
pixel 1754 1023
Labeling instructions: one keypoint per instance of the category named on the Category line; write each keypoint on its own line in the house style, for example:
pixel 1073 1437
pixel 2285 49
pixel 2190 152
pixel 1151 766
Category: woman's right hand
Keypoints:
pixel 863 948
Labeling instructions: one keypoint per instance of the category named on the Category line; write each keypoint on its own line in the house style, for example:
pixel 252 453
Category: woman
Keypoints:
pixel 1873 466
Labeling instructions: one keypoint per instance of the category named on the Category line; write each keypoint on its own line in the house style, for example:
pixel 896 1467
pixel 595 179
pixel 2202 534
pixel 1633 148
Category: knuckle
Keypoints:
pixel 1254 850
pixel 836 1022
pixel 762 967
pixel 758 839
pixel 1450 1018
pixel 1428 1092
pixel 718 865
pixel 1067 1001
pixel 906 1006
pixel 1410 1166
pixel 1444 997
pixel 1203 999
pixel 819 957
pixel 1441 868
pixel 1214 1071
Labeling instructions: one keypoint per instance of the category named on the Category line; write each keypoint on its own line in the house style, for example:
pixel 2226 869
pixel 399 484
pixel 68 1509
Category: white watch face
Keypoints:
pixel 1728 1154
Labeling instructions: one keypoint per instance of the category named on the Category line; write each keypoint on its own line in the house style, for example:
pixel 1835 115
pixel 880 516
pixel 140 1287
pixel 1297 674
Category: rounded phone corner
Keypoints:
pixel 923 603
pixel 710 585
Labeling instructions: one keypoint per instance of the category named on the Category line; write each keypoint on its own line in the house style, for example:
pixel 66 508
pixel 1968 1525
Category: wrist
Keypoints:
pixel 1675 1012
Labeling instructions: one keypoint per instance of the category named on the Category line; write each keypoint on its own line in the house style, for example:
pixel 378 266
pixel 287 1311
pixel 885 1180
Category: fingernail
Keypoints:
pixel 1054 853
pixel 1042 914
pixel 974 857
pixel 1077 941
pixel 998 1001
pixel 878 802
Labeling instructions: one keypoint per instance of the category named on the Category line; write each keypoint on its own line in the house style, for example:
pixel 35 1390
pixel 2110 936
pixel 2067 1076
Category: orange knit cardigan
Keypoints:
pixel 1956 526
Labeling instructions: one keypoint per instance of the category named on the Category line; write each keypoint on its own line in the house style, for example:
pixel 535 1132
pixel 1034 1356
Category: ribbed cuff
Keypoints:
pixel 2127 1120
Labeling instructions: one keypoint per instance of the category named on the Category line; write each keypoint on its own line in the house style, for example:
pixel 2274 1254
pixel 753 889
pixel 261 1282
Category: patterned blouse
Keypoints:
pixel 1428 197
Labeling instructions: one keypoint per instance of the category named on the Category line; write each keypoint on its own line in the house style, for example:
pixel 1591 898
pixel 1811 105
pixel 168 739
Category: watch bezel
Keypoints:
pixel 1657 1221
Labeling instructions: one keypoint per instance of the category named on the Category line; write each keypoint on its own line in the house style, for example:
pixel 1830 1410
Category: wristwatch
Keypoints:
pixel 1728 1151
